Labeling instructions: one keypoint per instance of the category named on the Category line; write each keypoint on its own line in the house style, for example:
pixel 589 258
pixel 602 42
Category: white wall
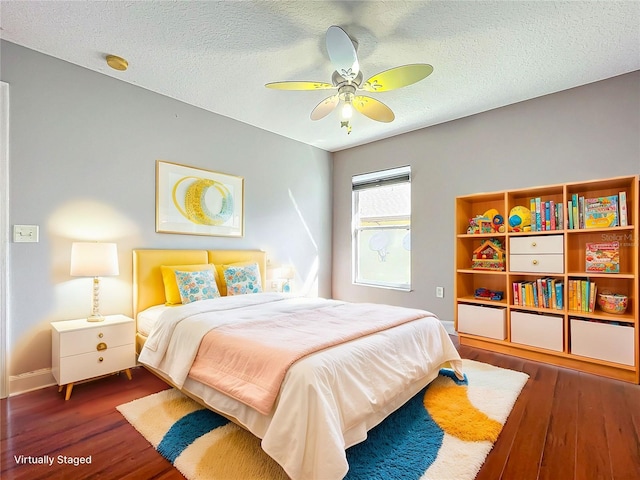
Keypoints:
pixel 585 133
pixel 82 167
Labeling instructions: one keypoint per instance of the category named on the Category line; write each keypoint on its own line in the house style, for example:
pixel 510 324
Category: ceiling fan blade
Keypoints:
pixel 325 107
pixel 342 53
pixel 374 109
pixel 397 77
pixel 299 85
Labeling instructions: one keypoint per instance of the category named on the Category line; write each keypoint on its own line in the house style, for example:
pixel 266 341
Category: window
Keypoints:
pixel 381 222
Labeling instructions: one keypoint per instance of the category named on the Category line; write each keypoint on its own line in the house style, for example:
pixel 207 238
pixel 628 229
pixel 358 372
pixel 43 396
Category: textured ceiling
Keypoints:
pixel 218 55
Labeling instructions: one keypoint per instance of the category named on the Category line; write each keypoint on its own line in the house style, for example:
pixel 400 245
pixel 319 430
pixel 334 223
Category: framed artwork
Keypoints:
pixel 198 202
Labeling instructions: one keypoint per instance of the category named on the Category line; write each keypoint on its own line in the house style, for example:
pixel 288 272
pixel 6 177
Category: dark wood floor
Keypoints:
pixel 565 425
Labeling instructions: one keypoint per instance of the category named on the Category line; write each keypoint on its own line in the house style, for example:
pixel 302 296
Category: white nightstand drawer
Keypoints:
pixel 536 245
pixel 95 364
pixel 536 263
pixel 88 339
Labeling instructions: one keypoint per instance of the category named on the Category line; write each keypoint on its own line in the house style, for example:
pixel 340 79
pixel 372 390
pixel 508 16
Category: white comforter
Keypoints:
pixel 328 400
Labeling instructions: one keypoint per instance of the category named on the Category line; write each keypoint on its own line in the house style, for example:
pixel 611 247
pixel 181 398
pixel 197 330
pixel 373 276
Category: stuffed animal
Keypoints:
pixel 519 219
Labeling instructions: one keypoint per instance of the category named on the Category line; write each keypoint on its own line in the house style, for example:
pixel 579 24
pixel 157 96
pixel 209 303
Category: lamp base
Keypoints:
pixel 95 318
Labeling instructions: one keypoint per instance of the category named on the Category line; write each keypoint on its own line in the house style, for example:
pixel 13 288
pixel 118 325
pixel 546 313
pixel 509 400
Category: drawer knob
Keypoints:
pixel 535 262
pixel 100 335
pixel 100 359
pixel 101 346
pixel 533 244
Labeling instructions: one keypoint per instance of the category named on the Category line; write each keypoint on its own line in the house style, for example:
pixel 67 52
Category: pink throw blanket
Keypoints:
pixel 248 360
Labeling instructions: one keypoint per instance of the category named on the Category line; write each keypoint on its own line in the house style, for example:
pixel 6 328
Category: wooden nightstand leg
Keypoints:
pixel 128 372
pixel 60 387
pixel 68 394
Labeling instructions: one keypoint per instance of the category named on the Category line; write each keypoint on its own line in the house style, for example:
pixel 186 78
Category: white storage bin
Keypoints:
pixel 604 341
pixel 544 331
pixel 484 321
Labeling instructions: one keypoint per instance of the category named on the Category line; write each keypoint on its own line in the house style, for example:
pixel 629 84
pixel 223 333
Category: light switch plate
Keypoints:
pixel 25 233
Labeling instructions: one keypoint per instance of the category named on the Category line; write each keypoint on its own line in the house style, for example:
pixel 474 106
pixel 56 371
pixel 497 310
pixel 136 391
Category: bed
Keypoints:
pixel 321 399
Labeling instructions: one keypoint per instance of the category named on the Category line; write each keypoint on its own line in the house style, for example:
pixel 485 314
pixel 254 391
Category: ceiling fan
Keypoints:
pixel 348 80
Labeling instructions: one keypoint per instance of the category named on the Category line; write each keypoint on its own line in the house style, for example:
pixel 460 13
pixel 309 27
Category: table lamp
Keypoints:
pixel 94 259
pixel 287 273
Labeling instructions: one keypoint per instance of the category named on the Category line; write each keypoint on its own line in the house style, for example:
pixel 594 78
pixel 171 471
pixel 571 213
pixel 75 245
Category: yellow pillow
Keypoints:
pixel 171 290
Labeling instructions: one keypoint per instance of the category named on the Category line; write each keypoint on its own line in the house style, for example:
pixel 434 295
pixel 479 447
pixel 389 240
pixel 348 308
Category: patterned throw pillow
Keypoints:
pixel 195 286
pixel 242 279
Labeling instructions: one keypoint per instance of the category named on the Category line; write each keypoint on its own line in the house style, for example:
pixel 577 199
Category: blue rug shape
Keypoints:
pixel 403 446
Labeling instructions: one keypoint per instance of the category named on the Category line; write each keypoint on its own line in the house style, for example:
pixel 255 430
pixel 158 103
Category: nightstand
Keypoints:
pixel 82 350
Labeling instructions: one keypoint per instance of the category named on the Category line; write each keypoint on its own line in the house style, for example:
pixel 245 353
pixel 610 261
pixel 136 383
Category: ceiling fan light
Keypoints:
pixel 347 111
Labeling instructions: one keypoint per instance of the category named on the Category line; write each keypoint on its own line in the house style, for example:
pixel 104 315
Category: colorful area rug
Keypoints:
pixel 445 432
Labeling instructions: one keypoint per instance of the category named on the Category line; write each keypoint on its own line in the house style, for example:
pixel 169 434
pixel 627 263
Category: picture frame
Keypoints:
pixel 195 201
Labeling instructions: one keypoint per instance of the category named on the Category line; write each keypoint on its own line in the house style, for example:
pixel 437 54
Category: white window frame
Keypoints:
pixel 373 180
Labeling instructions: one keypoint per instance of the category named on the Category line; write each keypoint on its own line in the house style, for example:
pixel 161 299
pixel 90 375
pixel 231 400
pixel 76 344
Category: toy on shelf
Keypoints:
pixel 489 222
pixel 486 294
pixel 489 256
pixel 520 219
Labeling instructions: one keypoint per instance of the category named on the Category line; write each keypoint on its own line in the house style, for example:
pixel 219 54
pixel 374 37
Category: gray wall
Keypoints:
pixel 83 150
pixel 585 133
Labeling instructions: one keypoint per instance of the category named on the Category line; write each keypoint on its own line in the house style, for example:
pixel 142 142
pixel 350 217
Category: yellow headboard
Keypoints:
pixel 148 288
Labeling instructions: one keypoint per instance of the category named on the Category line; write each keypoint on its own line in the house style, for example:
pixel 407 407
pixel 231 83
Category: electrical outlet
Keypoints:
pixel 440 292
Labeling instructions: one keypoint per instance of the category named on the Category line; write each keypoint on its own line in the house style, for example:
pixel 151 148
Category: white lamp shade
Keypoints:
pixel 94 259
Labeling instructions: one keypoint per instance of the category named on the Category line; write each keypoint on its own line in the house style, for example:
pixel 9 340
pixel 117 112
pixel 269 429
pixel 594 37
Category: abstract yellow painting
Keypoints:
pixel 194 201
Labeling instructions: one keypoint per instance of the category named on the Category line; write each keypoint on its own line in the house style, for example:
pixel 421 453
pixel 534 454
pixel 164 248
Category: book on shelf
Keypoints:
pixel 541 293
pixel 580 212
pixel 601 212
pixel 622 197
pixel 582 295
pixel 547 216
pixel 570 214
pixel 532 208
pixel 574 211
pixel 559 288
pixel 592 296
pixel 559 216
pixel 571 297
pixel 603 257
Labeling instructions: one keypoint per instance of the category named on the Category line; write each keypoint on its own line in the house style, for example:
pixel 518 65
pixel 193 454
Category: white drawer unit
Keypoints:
pixel 544 331
pixel 484 321
pixel 540 254
pixel 614 343
pixel 81 350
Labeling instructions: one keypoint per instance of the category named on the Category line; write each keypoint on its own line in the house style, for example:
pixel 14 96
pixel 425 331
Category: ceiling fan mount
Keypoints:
pixel 337 79
pixel 348 79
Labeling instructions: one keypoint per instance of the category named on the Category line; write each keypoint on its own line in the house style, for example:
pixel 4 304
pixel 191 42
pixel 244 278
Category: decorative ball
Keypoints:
pixel 519 217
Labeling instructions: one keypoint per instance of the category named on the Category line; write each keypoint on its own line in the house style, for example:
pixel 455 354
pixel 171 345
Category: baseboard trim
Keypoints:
pixel 27 382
